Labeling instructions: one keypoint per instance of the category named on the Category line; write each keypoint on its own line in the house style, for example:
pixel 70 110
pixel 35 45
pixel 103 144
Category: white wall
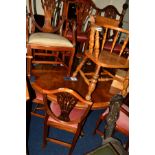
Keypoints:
pixel 102 3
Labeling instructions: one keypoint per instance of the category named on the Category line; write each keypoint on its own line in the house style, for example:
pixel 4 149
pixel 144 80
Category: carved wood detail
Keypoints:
pixel 49 7
pixel 114 109
pixel 66 102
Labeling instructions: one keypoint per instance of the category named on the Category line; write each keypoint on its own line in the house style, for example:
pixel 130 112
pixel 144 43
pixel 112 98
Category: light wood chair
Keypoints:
pixel 49 45
pixel 65 110
pixel 103 58
pixel 116 117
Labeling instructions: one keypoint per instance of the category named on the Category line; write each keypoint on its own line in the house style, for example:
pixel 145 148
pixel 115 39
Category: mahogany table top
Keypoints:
pixel 55 79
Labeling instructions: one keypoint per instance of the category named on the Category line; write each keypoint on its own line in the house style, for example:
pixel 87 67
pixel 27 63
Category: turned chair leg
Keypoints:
pixel 70 63
pixel 79 67
pixel 92 84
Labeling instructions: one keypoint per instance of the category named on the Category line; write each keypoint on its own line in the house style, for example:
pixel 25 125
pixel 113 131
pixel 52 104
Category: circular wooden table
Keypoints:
pixel 53 79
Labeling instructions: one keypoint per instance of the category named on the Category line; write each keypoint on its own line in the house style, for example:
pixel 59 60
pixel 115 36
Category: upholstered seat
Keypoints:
pixel 49 39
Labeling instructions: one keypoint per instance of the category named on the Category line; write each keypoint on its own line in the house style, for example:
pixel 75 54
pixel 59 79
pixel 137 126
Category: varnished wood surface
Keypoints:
pixel 53 79
pixel 27 93
pixel 106 59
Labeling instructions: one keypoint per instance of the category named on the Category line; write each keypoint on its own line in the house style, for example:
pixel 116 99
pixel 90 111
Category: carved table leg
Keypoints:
pixel 92 84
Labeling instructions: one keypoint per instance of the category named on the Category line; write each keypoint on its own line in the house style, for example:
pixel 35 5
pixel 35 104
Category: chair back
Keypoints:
pixel 111 11
pixel 82 10
pixel 99 39
pixel 52 18
pixel 64 101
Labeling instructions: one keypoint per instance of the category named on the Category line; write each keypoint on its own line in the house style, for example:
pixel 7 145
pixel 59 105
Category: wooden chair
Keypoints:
pixel 38 107
pixel 116 117
pixel 65 110
pixel 82 10
pixel 49 46
pixel 111 11
pixel 103 58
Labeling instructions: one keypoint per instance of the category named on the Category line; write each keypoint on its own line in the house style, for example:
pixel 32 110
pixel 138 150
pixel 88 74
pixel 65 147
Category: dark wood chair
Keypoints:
pixel 49 45
pixel 65 110
pixel 80 12
pixel 104 59
pixel 116 117
pixel 110 11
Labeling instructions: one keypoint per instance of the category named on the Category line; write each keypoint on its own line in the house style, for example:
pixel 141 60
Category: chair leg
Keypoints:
pixel 92 84
pixel 29 61
pixel 74 141
pixel 79 67
pixel 97 125
pixel 70 62
pixel 45 133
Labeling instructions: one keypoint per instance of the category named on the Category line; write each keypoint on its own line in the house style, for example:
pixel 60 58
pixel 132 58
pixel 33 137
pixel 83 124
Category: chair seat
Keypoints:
pixel 81 36
pixel 123 120
pixel 74 115
pixel 49 39
pixel 109 60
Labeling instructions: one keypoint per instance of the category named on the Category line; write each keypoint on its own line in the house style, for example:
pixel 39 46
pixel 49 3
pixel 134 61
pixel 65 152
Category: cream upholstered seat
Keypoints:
pixel 49 39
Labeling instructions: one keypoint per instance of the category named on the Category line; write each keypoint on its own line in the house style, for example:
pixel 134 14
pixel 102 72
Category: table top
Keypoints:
pixel 55 79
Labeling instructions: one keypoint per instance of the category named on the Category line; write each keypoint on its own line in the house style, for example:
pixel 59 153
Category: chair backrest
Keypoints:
pixel 52 19
pixel 99 38
pixel 111 11
pixel 65 100
pixel 82 8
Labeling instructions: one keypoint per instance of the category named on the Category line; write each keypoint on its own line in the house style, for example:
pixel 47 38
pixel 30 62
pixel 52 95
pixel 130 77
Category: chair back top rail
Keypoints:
pixel 49 8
